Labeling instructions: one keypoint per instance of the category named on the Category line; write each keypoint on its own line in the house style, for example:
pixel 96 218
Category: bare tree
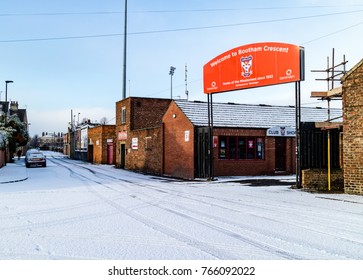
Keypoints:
pixel 103 120
pixel 34 141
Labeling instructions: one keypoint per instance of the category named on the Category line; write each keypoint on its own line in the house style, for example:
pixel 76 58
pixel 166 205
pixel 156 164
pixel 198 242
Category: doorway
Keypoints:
pixel 280 154
pixel 90 154
pixel 202 147
pixel 110 153
pixel 122 155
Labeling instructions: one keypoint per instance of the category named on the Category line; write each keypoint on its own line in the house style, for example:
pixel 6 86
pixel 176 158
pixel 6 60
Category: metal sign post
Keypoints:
pixel 241 68
pixel 211 154
pixel 298 122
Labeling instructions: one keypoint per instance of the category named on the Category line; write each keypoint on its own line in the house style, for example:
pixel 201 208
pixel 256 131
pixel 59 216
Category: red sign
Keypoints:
pixel 254 65
pixel 215 141
pixel 122 135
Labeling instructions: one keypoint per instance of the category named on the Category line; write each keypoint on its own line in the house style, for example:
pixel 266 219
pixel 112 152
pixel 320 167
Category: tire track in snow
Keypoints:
pixel 268 207
pixel 185 238
pixel 154 225
pixel 258 231
pixel 33 225
pixel 244 228
pixel 271 208
pixel 257 244
pixel 264 206
pixel 298 225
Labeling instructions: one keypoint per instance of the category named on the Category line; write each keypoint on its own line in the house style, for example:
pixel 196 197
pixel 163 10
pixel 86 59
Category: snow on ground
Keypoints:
pixel 75 210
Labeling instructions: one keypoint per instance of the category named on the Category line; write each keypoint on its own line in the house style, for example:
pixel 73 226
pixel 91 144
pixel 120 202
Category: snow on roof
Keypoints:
pixel 252 116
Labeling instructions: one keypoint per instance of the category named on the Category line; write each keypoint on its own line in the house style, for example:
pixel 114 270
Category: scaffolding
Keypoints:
pixel 334 74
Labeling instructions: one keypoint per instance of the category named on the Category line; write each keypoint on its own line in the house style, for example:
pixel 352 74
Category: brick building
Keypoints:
pixel 139 134
pixel 247 139
pixel 170 137
pixel 238 148
pixel 101 144
pixel 76 142
pixel 353 130
pixel 67 144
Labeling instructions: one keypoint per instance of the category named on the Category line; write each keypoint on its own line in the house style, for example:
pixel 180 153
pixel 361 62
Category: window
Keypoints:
pixel 222 147
pixel 238 147
pixel 260 148
pixel 123 115
pixel 241 148
pixel 251 148
pixel 232 147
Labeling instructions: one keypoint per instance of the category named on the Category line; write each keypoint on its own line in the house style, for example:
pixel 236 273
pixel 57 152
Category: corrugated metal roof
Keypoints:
pixel 252 116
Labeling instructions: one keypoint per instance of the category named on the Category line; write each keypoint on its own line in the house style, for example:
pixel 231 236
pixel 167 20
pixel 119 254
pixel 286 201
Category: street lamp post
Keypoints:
pixel 171 73
pixel 7 111
pixel 6 97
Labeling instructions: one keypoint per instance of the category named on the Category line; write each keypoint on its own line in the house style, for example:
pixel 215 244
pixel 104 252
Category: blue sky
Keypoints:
pixel 53 75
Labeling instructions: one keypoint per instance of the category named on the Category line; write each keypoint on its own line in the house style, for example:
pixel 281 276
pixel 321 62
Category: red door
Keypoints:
pixel 110 153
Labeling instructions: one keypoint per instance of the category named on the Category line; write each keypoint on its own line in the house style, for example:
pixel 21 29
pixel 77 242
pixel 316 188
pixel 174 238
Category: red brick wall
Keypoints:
pixel 94 137
pixel 353 130
pixel 178 153
pixel 99 136
pixel 144 122
pixel 266 166
pixel 147 112
pixel 147 158
pixel 122 127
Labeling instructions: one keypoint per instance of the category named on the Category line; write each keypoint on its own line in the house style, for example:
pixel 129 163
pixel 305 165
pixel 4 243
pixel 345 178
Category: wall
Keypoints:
pixel 147 157
pixel 122 127
pixel 316 180
pixel 144 122
pixel 353 130
pixel 80 155
pixel 160 128
pixel 2 158
pixel 178 150
pixel 147 112
pixel 179 154
pixel 246 167
pixel 98 136
pixel 66 144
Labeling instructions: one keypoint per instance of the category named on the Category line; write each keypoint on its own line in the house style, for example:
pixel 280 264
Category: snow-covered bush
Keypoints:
pixel 14 132
pixel 3 138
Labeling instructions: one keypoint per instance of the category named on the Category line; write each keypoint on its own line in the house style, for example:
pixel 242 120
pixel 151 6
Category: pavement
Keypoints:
pixel 13 172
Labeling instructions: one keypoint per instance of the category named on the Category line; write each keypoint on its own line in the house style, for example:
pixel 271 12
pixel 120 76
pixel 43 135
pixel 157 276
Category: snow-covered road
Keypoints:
pixel 75 210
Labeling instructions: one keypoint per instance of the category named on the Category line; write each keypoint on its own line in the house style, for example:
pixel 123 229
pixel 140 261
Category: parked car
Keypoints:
pixel 35 157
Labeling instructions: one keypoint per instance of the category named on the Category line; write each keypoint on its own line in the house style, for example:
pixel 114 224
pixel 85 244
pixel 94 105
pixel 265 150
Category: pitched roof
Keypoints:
pixel 252 116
